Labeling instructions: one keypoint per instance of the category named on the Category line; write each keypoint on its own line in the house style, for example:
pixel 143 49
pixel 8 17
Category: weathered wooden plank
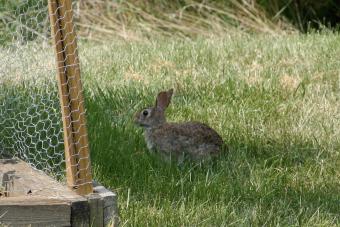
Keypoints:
pixel 110 205
pixel 96 210
pixel 80 214
pixel 26 181
pixel 77 157
pixel 59 45
pixel 36 199
pixel 76 212
pixel 56 200
pixel 34 213
pixel 84 180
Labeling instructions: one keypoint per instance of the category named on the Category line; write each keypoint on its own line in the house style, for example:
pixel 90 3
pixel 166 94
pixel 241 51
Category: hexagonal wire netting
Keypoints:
pixel 31 125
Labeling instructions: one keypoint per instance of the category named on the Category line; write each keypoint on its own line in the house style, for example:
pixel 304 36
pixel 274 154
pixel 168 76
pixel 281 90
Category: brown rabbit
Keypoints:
pixel 178 141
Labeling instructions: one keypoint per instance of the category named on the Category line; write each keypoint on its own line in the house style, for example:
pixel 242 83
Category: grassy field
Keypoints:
pixel 274 100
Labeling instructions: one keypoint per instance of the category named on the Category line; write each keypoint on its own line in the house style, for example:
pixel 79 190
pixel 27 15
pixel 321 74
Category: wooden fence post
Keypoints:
pixel 77 156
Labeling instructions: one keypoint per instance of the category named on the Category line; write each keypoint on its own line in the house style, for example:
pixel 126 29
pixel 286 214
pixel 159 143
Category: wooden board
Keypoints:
pixel 34 212
pixel 23 180
pixel 33 198
pixel 108 204
pixel 78 168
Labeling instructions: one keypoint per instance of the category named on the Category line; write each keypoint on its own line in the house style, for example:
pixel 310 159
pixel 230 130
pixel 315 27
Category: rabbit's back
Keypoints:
pixel 195 139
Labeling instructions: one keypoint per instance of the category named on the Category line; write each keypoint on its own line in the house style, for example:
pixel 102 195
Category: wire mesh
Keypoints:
pixel 31 119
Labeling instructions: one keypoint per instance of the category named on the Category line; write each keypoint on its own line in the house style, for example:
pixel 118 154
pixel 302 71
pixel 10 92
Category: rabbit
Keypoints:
pixel 177 141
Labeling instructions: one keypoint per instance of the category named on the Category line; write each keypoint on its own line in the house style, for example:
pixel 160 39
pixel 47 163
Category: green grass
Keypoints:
pixel 275 101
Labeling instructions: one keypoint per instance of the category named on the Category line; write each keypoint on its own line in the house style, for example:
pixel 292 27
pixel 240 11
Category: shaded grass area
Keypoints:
pixel 275 101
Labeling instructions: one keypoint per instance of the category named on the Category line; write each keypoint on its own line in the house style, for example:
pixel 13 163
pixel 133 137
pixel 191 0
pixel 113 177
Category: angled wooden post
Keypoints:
pixel 77 157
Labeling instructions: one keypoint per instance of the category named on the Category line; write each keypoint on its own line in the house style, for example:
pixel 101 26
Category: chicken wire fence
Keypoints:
pixel 42 116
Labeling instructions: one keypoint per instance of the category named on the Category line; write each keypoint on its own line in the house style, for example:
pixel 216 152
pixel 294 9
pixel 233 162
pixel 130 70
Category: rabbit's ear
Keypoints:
pixel 163 99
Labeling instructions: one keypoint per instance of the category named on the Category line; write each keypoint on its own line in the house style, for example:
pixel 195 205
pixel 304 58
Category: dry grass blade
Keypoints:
pixel 103 19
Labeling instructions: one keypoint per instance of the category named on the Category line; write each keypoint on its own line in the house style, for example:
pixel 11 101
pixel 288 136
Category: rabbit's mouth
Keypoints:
pixel 142 124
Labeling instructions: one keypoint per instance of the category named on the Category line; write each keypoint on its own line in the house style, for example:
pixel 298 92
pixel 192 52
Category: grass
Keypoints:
pixel 274 100
pixel 130 20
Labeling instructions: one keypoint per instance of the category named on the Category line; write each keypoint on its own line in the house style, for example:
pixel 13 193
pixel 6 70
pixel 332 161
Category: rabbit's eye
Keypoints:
pixel 145 113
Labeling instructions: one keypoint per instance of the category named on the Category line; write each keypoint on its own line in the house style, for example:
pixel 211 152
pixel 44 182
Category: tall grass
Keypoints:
pixel 136 20
pixel 103 19
pixel 305 14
